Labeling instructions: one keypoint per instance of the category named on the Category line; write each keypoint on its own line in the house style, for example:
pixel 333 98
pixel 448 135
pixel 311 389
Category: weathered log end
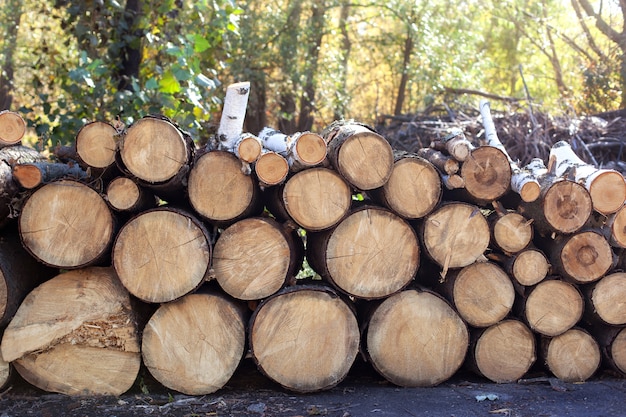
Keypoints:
pixel 487 174
pixel 573 356
pixel 608 191
pixel 553 307
pixel 96 144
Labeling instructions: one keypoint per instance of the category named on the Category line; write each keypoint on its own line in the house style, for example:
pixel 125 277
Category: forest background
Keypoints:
pixel 309 62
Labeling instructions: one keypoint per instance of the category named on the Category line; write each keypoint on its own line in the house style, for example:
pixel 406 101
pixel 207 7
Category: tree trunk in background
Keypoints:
pixel 288 45
pixel 315 34
pixel 256 117
pixel 130 55
pixel 406 60
pixel 341 94
pixel 9 33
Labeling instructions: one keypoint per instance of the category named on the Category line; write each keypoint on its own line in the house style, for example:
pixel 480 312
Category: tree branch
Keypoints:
pixel 601 24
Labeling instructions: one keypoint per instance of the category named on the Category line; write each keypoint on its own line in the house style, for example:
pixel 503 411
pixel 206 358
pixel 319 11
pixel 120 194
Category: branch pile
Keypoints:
pixel 440 246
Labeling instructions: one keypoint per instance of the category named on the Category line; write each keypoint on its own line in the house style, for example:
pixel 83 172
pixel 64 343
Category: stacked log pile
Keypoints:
pixel 302 252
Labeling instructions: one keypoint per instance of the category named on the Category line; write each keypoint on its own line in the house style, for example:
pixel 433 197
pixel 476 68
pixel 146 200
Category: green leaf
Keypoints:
pixel 152 84
pixel 169 84
pixel 200 44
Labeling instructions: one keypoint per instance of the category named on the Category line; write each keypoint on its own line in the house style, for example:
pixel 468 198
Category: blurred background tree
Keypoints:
pixel 67 62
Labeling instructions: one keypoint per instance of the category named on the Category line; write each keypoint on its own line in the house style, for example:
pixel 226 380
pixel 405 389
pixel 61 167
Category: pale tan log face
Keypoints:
pixel 608 192
pixel 122 193
pixel 66 224
pixel 306 340
pixel 567 206
pixel 4 294
pixel 586 257
pixel 218 189
pixel 96 144
pixel 487 173
pixel 512 232
pixel 365 160
pixel 609 298
pixel 12 127
pixel 573 356
pixel 251 259
pixel 618 350
pixel 154 150
pixel 161 255
pixel 194 345
pixel 372 254
pixel 413 189
pixel 505 351
pixel 553 307
pixel 530 267
pixel 416 339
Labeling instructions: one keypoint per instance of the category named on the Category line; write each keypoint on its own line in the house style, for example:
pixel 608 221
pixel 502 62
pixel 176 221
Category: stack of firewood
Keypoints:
pixel 302 251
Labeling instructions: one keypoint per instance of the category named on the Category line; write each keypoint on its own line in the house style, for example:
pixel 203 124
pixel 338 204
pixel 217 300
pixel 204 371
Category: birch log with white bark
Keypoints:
pixel 233 114
pixel 302 149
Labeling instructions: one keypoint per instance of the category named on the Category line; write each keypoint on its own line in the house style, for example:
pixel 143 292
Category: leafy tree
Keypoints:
pixel 10 16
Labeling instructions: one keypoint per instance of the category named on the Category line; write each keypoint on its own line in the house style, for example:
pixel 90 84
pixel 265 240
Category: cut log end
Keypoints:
pixel 573 356
pixel 530 192
pixel 304 339
pixel 96 144
pixel 567 206
pixel 553 307
pixel 608 297
pixel 512 232
pixel 415 339
pixel 12 128
pixel 586 257
pixel 123 193
pixel 608 192
pixel 618 228
pixel 28 176
pixel 505 351
pixel 487 173
pixel 194 345
pixel 310 149
pixel 271 168
pixel 530 267
pixel 618 351
pixel 249 149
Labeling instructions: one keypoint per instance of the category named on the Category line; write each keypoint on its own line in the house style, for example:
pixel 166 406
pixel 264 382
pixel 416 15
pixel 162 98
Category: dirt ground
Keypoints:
pixel 362 393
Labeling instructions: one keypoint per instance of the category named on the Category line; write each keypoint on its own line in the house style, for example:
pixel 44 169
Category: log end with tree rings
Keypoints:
pixel 309 149
pixel 154 150
pixel 161 255
pixel 66 224
pixel 608 299
pixel 617 351
pixel 76 334
pixel 5 372
pixel 512 232
pixel 305 339
pixel 529 267
pixel 370 254
pixel 195 344
pixel 456 235
pixel 566 206
pixel 12 128
pixel 248 148
pixel 218 189
pixel 483 294
pixel 317 198
pixel 608 191
pixel 124 194
pixel 530 191
pixel 505 351
pixel 363 157
pixel 585 257
pixel 573 356
pixel 271 168
pixel 416 339
pixel 96 144
pixel 413 189
pixel 253 258
pixel 553 307
pixel 617 226
pixel 487 174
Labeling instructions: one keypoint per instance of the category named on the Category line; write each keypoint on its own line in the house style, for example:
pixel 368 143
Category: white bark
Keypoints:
pixel 457 145
pixel 233 114
pixel 286 146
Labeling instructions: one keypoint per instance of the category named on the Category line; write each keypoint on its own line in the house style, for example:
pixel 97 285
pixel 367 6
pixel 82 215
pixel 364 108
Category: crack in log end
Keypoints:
pixel 113 332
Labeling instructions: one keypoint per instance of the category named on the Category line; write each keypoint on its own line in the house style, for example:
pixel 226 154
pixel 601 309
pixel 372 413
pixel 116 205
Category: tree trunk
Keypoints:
pixel 31 175
pixel 553 307
pixel 55 229
pixel 195 344
pixel 248 148
pixel 372 253
pixel 305 338
pixel 19 274
pixel 573 356
pixel 454 144
pixel 125 195
pixel 220 192
pixel 162 254
pixel 404 78
pixel 76 334
pixel 256 257
pixel 361 156
pixel 482 293
pixel 583 257
pixel 12 128
pixel 413 189
pixel 130 54
pixel 455 235
pixel 316 199
pixel 503 352
pixel 158 154
pixel 416 339
pixel 11 25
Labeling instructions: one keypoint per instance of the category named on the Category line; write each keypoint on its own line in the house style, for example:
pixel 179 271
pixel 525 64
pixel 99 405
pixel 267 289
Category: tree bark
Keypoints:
pixel 305 338
pixel 255 257
pixel 370 254
pixel 162 254
pixel 85 315
pixel 56 231
pixel 573 356
pixel 32 175
pixel 220 192
pixel 415 339
pixel 195 344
